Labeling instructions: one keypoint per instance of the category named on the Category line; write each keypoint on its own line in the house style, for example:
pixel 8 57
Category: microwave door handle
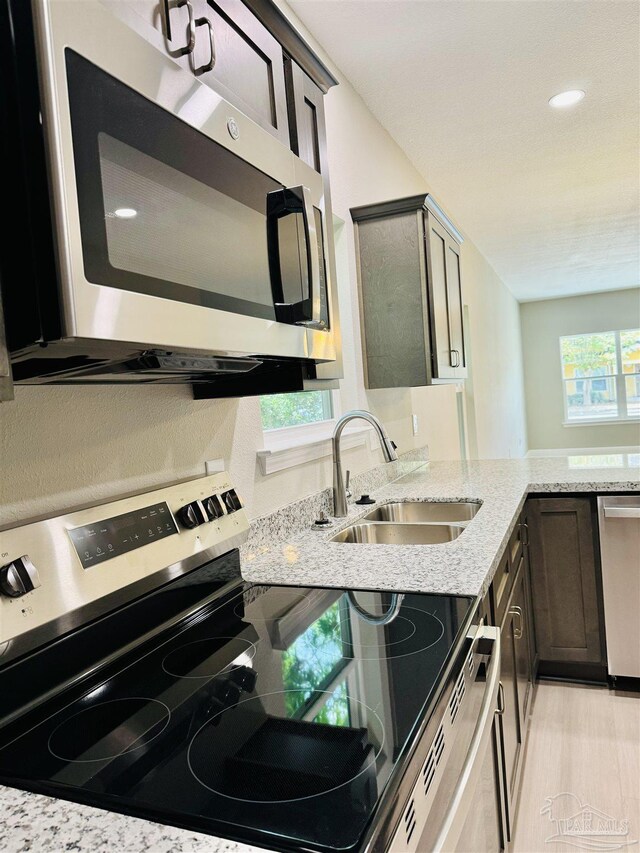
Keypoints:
pixel 463 794
pixel 281 203
pixel 313 262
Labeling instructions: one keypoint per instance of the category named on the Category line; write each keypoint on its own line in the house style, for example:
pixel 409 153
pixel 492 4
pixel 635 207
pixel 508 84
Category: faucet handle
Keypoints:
pixel 347 491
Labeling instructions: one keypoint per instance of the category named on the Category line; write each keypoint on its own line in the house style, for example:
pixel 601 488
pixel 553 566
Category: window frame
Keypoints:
pixel 619 378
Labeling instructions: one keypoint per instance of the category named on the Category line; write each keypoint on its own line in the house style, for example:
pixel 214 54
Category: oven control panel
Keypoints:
pixel 111 537
pixel 60 572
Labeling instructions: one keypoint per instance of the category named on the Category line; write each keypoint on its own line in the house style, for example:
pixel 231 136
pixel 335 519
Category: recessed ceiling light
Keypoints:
pixel 125 213
pixel 567 99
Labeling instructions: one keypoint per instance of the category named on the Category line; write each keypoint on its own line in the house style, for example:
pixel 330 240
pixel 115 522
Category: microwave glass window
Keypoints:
pixel 162 223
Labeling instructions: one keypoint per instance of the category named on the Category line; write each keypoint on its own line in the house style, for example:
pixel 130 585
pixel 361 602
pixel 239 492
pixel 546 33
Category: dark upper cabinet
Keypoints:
pixel 411 300
pixel 306 118
pixel 565 586
pixel 243 49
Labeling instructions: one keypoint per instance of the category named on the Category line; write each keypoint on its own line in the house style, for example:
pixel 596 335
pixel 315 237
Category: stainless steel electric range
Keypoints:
pixel 140 674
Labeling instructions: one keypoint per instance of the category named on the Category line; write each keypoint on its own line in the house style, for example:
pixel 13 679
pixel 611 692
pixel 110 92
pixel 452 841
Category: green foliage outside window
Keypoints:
pixel 311 663
pixel 304 407
pixel 336 710
pixel 601 373
pixel 590 355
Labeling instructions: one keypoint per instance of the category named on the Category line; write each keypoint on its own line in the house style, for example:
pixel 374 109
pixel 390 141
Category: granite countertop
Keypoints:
pixel 283 549
pixel 464 566
pixel 40 824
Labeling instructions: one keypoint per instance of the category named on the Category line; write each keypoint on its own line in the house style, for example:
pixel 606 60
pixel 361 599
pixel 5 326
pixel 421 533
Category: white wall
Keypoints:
pixel 61 446
pixel 543 323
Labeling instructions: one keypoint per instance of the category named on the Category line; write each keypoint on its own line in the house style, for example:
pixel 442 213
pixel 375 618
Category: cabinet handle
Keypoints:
pixel 191 27
pixel 517 611
pixel 457 362
pixel 501 706
pixel 525 530
pixel 205 22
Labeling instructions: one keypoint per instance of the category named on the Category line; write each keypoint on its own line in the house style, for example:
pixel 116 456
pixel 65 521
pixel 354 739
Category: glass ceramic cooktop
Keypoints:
pixel 277 711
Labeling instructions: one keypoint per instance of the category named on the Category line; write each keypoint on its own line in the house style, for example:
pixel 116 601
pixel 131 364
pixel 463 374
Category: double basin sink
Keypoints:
pixel 410 523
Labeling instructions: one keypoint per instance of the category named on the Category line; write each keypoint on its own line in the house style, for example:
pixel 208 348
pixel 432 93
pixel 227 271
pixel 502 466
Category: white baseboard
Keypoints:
pixel 582 451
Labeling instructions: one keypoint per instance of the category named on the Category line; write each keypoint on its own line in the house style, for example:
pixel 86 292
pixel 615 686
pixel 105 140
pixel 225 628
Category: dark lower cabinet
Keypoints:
pixel 511 731
pixel 565 585
pixel 511 609
pixel 521 645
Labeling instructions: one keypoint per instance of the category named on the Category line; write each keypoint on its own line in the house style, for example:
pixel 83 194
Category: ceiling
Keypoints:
pixel 550 197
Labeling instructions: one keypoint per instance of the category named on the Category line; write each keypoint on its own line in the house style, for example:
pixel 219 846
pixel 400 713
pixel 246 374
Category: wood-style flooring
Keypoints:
pixel 584 744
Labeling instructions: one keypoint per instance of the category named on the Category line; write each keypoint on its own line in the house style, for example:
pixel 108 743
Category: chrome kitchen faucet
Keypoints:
pixel 388 450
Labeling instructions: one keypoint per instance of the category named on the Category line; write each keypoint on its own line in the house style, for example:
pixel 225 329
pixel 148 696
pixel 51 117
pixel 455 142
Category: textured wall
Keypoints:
pixel 62 446
pixel 543 323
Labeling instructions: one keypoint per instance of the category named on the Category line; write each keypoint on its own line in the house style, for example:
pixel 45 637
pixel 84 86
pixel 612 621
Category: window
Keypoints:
pixel 287 410
pixel 601 376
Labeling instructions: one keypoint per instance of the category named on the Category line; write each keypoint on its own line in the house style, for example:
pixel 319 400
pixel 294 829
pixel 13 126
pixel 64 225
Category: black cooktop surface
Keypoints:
pixel 274 715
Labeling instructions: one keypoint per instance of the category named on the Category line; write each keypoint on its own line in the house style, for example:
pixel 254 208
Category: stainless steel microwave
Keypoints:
pixel 186 241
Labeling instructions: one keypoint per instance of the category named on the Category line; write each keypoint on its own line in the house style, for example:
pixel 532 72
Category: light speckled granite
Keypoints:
pixel 40 824
pixel 464 566
pixel 282 549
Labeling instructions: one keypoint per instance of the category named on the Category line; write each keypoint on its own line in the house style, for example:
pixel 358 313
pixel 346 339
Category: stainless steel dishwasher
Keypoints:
pixel 619 517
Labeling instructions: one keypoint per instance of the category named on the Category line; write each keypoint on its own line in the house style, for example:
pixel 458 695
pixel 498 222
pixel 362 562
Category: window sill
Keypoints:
pixel 603 421
pixel 293 446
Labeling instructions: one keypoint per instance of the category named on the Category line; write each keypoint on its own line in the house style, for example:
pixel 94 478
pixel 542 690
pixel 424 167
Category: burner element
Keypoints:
pixel 252 754
pixel 209 657
pixel 109 729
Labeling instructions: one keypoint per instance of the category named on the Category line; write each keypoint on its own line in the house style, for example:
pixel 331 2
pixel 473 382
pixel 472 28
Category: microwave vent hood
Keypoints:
pixel 211 376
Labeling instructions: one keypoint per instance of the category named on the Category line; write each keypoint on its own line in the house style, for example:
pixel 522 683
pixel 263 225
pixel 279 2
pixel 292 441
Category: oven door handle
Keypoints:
pixel 281 203
pixel 465 789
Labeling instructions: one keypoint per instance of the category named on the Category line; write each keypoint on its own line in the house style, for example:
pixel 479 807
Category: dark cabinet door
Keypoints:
pixel 306 118
pixel 236 55
pixel 510 716
pixel 521 637
pixel 445 301
pixel 455 309
pixel 564 584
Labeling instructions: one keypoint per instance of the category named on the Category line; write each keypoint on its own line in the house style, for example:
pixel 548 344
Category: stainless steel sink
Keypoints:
pixel 415 512
pixel 398 534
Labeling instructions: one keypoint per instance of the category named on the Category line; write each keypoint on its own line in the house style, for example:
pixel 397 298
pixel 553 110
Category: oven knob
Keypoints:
pixel 231 500
pixel 19 577
pixel 192 515
pixel 213 507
